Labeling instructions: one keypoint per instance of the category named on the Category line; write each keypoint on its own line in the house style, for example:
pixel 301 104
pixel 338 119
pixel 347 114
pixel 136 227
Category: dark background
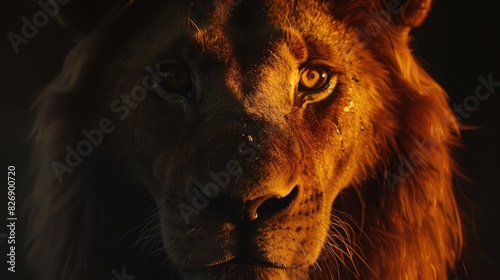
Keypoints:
pixel 459 42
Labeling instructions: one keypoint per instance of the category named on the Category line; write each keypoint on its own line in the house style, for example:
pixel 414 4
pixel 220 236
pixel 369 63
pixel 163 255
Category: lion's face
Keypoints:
pixel 266 132
pixel 256 117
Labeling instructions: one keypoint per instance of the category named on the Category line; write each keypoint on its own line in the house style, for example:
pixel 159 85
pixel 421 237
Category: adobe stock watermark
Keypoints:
pixel 461 111
pixel 92 138
pixel 30 28
pixel 408 164
pixel 470 103
pixel 382 19
pixel 222 178
pixel 121 276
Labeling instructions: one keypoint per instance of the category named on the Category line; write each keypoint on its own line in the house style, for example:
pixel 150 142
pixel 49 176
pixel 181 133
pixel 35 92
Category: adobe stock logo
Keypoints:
pixel 122 105
pixel 202 195
pixel 49 8
pixel 470 104
pixel 121 276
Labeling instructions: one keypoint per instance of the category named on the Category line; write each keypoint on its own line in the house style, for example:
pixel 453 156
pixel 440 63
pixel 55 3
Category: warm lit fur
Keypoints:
pixel 367 168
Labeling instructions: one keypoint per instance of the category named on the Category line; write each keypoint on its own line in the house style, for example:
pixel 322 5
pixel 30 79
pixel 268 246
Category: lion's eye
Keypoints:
pixel 316 83
pixel 174 78
pixel 314 79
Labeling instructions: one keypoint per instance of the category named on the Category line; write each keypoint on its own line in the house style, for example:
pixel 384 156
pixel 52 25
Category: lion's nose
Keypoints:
pixel 273 205
pixel 251 210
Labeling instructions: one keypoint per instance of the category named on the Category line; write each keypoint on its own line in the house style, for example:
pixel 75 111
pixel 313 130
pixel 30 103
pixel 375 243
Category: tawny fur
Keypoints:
pixel 395 214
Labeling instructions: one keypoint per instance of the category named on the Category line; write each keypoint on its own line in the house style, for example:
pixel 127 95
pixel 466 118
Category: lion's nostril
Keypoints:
pixel 274 205
pixel 240 211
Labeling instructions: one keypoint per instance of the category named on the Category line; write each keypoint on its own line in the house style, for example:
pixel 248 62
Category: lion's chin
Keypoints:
pixel 245 271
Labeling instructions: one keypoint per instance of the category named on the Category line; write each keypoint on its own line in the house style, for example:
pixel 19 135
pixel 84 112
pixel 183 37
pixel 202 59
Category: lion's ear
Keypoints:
pixel 405 14
pixel 409 13
pixel 82 16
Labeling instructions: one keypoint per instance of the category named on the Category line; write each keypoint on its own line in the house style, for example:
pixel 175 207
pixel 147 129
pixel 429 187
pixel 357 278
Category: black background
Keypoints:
pixel 459 42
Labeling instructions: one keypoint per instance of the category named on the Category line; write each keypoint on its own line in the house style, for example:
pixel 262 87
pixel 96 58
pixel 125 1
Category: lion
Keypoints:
pixel 261 139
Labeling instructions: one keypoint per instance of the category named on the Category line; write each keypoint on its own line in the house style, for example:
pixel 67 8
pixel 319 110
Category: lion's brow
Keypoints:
pixel 297 46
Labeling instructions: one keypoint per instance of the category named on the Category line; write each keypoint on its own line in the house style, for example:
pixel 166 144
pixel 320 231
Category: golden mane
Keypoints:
pixel 406 221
